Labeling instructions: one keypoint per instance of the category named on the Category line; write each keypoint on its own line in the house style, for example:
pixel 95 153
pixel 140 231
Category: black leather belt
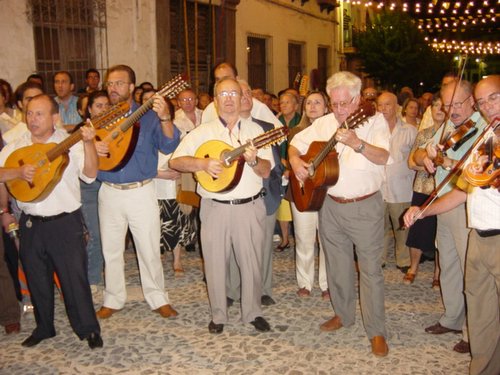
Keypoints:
pixel 488 233
pixel 241 201
pixel 44 219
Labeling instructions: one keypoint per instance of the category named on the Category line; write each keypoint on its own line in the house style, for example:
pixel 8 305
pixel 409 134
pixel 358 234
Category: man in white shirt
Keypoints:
pixel 353 212
pixel 240 212
pixel 397 189
pixel 482 278
pixel 260 111
pixel 51 230
pixel 188 116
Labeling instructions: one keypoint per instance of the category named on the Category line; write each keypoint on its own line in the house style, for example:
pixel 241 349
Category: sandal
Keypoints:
pixel 409 278
pixel 282 247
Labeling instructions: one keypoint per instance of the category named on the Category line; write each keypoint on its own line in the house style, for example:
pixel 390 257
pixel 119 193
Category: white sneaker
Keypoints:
pixel 27 308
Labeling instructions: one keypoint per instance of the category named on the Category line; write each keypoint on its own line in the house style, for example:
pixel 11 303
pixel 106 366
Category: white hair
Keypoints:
pixel 344 79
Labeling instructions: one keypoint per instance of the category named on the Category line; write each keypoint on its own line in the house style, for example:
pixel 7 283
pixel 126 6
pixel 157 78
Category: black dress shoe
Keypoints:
pixel 31 341
pixel 261 324
pixel 229 301
pixel 215 328
pixel 267 301
pixel 94 340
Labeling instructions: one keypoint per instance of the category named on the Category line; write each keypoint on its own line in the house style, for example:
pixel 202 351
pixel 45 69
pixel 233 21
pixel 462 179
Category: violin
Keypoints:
pixel 455 140
pixel 484 170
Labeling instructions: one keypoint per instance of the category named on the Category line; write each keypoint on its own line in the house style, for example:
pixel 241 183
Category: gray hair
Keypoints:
pixel 344 79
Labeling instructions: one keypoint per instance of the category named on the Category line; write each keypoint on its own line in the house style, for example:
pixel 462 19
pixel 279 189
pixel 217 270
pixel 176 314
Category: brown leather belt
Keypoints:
pixel 351 200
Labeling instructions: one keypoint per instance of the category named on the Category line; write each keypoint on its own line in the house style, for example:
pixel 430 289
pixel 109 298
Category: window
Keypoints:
pixel 294 62
pixel 69 35
pixel 257 72
pixel 322 68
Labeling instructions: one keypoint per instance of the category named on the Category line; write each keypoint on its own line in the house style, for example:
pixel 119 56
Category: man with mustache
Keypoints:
pixel 452 232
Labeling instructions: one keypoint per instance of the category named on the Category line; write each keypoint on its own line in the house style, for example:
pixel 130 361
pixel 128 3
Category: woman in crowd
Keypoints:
pixel 96 104
pixel 178 226
pixel 422 235
pixel 305 224
pixel 289 118
pixel 410 111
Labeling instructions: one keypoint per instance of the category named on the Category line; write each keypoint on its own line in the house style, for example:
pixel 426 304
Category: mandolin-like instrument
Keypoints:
pixel 122 136
pixel 51 159
pixel 324 165
pixel 232 159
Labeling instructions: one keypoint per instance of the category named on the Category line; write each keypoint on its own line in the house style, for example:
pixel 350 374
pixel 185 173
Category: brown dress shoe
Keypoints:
pixel 303 292
pixel 331 325
pixel 462 347
pixel 379 346
pixel 13 328
pixel 166 311
pixel 438 329
pixel 105 312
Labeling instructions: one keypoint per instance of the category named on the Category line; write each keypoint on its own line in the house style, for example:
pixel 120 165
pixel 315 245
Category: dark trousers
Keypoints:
pixel 9 307
pixel 57 245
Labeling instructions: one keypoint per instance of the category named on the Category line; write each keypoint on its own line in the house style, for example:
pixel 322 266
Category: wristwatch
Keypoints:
pixel 361 148
pixel 254 163
pixel 4 211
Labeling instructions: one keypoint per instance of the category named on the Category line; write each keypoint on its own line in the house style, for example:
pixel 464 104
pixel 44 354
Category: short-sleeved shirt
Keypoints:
pixel 358 176
pixel 65 197
pixel 250 184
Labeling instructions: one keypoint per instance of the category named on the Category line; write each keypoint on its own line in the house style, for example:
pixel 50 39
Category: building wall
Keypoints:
pixel 281 22
pixel 17 49
pixel 132 37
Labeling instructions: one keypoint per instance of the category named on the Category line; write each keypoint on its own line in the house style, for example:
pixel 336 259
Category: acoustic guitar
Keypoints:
pixel 122 136
pixel 324 166
pixel 232 159
pixel 51 159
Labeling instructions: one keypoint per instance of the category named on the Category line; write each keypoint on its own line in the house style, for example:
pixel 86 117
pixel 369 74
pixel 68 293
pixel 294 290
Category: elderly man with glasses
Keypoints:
pixel 353 212
pixel 452 231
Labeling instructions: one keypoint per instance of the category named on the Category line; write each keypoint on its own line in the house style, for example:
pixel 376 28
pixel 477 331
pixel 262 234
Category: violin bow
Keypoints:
pixel 477 143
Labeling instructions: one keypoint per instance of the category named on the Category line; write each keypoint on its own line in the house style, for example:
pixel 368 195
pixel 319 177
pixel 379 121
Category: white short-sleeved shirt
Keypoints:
pixel 357 176
pixel 250 184
pixel 65 197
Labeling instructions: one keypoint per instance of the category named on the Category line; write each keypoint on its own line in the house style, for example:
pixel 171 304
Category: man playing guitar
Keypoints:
pixel 353 212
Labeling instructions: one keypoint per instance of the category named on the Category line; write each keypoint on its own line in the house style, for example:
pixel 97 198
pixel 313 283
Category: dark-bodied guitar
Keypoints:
pixel 324 166
pixel 122 136
pixel 51 159
pixel 232 159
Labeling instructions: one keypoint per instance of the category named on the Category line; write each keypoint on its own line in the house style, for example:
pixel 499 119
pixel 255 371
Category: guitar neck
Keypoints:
pixel 64 146
pixel 258 142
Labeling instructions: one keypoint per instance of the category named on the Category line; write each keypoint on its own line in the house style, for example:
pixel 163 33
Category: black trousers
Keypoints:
pixel 57 245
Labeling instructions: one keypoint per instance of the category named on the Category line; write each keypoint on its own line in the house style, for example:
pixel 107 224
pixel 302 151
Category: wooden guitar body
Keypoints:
pixel 47 175
pixel 231 174
pixel 310 194
pixel 121 144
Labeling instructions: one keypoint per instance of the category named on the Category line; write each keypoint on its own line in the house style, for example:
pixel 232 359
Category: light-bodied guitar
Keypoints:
pixel 51 159
pixel 122 136
pixel 324 166
pixel 232 159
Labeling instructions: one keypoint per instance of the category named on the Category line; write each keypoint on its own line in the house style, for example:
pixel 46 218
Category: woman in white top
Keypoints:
pixel 305 224
pixel 178 225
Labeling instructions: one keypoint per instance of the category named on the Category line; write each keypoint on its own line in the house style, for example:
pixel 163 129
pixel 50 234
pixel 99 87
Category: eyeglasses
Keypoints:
pixel 112 84
pixel 342 105
pixel 455 105
pixel 225 94
pixel 490 100
pixel 185 100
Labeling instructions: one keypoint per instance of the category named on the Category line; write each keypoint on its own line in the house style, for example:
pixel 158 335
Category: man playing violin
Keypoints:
pixel 353 212
pixel 452 232
pixel 482 279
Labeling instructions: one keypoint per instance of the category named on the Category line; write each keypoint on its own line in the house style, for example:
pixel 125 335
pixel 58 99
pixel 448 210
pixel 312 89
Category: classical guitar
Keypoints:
pixel 232 159
pixel 51 159
pixel 122 136
pixel 324 166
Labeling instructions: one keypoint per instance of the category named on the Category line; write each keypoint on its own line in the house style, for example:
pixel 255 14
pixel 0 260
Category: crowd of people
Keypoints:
pixel 404 182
